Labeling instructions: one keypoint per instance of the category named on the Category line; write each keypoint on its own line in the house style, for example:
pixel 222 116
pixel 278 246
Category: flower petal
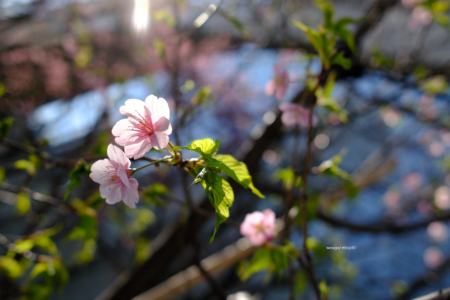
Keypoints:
pixel 122 173
pixel 100 171
pixel 133 108
pixel 131 194
pixel 159 140
pixel 163 126
pixel 139 149
pixel 115 195
pixel 158 107
pixel 117 155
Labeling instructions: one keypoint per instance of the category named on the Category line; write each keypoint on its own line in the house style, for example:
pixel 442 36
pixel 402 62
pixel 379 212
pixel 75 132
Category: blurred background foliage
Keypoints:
pixel 381 151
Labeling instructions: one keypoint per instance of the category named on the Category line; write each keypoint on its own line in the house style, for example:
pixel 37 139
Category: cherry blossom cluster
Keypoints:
pixel 146 127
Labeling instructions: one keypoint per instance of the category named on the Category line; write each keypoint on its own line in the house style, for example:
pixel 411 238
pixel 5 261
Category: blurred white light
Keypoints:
pixel 269 117
pixel 205 16
pixel 322 141
pixel 141 16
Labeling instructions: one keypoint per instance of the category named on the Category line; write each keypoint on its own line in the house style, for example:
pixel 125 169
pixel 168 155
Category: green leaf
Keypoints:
pixel 238 25
pixel 143 250
pixel 316 247
pixel 31 166
pixel 313 35
pixel 38 269
pixel 435 85
pixel 202 96
pixel 260 261
pixel 287 176
pixel 205 147
pixel 142 217
pixel 87 252
pixel 81 168
pixel 164 16
pixel 280 260
pixel 340 59
pixel 160 48
pixel 24 245
pixel 153 193
pixel 23 203
pixel 46 244
pixel 3 91
pixel 238 171
pixel 323 288
pixel 10 267
pixel 5 124
pixel 223 199
pixel 2 174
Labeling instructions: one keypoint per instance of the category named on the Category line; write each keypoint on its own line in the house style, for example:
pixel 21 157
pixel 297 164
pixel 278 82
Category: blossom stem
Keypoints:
pixel 152 163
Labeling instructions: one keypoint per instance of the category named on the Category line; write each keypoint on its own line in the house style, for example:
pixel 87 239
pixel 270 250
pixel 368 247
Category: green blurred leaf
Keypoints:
pixel 260 261
pixel 23 203
pixel 38 269
pixel 323 288
pixel 339 59
pixel 316 247
pixel 287 176
pixel 166 17
pixel 238 171
pixel 2 174
pixel 2 93
pixel 143 250
pixel 153 193
pixel 87 252
pixel 31 166
pixel 141 218
pixel 81 169
pixel 24 245
pixel 5 126
pixel 46 244
pixel 202 96
pixel 83 56
pixel 160 48
pixel 10 267
pixel 435 85
pixel 238 25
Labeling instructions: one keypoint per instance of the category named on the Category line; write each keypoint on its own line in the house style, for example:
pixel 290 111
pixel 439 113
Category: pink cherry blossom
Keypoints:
pixel 420 17
pixel 147 126
pixel 259 227
pixel 411 3
pixel 295 114
pixel 279 84
pixel 114 178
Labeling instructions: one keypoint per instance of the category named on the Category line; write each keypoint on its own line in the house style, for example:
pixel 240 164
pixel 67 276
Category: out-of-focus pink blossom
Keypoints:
pixel 438 231
pixel 412 181
pixel 420 16
pixel 433 257
pixel 279 84
pixel 295 114
pixel 411 3
pixel 259 227
pixel 114 178
pixel 442 197
pixel 147 126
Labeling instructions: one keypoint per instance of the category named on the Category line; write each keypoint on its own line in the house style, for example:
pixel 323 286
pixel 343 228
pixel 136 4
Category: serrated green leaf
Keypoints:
pixel 238 171
pixel 23 203
pixel 205 147
pixel 223 199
